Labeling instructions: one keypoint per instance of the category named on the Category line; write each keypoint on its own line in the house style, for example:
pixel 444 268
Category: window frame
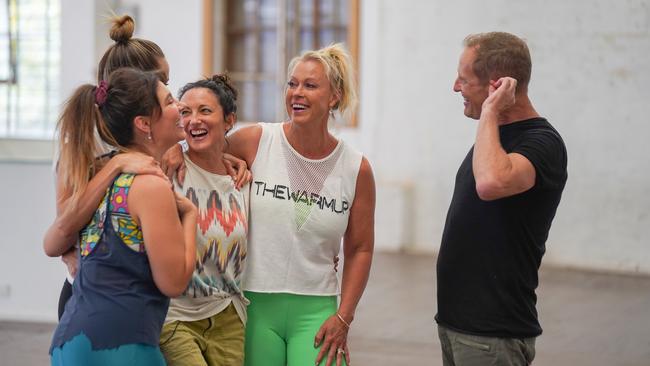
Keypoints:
pixel 215 46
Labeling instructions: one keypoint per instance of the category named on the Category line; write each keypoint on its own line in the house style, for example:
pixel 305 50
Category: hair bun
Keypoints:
pixel 122 29
pixel 225 80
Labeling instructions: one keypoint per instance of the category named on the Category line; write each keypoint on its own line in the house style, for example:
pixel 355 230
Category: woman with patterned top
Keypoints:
pixel 139 249
pixel 205 325
pixel 125 52
pixel 309 190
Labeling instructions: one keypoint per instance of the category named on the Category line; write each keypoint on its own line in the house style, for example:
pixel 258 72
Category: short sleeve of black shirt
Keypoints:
pixel 542 145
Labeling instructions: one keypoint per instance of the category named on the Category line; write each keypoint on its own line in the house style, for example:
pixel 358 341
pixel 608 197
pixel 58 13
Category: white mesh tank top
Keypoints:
pixel 299 210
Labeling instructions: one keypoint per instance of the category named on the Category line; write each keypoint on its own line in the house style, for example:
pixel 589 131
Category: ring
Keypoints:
pixel 340 350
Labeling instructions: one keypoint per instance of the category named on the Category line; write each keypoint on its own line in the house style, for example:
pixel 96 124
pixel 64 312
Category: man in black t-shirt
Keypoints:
pixel 506 194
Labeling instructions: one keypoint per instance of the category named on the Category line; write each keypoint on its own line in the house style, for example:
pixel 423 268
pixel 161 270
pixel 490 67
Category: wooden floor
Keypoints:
pixel 588 319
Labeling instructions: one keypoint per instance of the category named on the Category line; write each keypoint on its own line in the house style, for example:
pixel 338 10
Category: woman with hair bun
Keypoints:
pixel 131 52
pixel 309 191
pixel 139 248
pixel 125 52
pixel 205 325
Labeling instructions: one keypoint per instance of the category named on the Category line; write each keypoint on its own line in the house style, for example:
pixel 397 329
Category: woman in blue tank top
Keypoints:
pixel 139 249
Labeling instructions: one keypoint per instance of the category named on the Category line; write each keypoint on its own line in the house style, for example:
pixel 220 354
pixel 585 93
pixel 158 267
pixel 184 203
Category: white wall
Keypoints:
pixel 29 281
pixel 590 77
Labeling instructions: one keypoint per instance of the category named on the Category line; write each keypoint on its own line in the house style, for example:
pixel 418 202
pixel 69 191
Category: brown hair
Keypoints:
pixel 500 54
pixel 339 71
pixel 129 93
pixel 129 52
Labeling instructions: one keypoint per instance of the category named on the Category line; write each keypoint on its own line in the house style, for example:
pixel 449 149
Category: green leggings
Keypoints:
pixel 281 328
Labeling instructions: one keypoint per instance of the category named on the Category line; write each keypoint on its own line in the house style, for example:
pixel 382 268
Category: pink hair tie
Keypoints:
pixel 101 92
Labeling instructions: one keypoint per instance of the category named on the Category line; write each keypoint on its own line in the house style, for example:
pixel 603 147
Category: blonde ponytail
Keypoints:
pixel 76 129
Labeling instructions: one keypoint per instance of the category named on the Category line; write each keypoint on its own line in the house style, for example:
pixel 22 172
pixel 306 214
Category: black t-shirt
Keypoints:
pixel 491 250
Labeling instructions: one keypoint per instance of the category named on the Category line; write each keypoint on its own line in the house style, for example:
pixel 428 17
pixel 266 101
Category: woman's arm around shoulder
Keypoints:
pixel 168 224
pixel 243 143
pixel 62 234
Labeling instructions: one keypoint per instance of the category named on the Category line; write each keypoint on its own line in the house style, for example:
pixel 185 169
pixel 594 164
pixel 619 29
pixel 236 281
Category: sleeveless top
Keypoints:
pixel 299 214
pixel 221 237
pixel 114 298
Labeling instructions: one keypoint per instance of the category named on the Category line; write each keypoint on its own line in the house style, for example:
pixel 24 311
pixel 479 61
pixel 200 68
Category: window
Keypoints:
pixel 262 36
pixel 29 67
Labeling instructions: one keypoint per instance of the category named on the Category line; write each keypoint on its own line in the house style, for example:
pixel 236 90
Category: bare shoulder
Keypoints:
pixel 251 133
pixel 150 186
pixel 243 143
pixel 365 187
pixel 366 176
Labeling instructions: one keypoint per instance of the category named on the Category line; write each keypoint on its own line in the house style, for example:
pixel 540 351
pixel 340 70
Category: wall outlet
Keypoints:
pixel 5 290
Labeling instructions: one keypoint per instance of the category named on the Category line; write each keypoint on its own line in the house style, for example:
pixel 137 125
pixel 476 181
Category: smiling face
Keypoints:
pixel 309 96
pixel 166 130
pixel 205 125
pixel 473 90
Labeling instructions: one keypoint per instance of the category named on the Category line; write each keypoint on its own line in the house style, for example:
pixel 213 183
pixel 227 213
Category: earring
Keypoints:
pixel 331 113
pixel 149 136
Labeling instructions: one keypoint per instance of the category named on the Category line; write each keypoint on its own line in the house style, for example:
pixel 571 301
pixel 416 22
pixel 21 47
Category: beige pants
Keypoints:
pixel 216 341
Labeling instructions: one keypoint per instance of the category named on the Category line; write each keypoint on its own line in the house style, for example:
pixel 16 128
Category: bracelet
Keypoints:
pixel 343 320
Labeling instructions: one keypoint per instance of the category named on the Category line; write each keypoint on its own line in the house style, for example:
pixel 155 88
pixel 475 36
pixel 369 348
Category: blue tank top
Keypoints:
pixel 114 298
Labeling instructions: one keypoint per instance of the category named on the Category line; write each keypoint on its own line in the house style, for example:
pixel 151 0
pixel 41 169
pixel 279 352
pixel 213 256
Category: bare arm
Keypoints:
pixel 173 165
pixel 497 173
pixel 62 234
pixel 358 246
pixel 243 143
pixel 168 223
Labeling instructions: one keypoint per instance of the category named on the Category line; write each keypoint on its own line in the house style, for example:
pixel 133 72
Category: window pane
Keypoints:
pixel 306 40
pixel 267 100
pixel 246 101
pixel 327 11
pixel 242 13
pixel 307 13
pixel 5 68
pixel 269 56
pixel 268 13
pixel 242 53
pixel 342 8
pixel 327 36
pixel 31 104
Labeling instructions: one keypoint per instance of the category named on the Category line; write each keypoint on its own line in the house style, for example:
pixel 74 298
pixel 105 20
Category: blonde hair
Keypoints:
pixel 339 71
